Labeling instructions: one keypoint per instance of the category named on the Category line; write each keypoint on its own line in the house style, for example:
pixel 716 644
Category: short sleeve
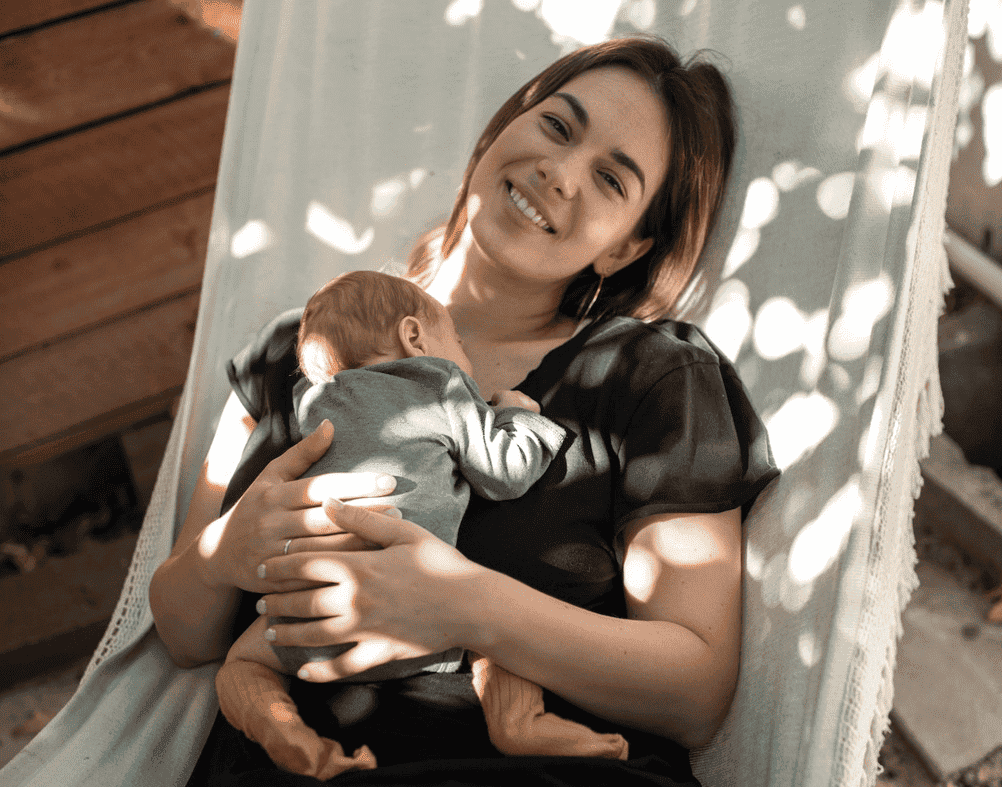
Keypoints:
pixel 694 445
pixel 260 371
pixel 263 376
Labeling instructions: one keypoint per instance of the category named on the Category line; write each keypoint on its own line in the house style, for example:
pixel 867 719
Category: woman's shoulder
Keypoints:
pixel 665 344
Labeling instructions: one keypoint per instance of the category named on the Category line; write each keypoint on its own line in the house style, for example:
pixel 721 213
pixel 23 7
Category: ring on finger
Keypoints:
pixel 288 543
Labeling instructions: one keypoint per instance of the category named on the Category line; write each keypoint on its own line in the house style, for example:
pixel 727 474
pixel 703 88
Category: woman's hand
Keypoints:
pixel 280 514
pixel 402 600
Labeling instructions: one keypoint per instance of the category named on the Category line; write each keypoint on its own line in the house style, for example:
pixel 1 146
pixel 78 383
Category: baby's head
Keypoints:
pixel 364 317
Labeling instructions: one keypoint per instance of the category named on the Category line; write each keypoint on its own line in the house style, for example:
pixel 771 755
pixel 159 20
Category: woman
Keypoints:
pixel 615 583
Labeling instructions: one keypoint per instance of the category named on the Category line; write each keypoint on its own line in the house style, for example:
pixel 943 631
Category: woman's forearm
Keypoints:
pixel 193 618
pixel 650 675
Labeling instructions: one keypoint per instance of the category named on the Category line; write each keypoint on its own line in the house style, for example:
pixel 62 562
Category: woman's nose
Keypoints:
pixel 561 174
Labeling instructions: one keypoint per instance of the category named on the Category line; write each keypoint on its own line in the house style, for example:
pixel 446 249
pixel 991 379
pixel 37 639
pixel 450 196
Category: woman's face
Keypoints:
pixel 566 183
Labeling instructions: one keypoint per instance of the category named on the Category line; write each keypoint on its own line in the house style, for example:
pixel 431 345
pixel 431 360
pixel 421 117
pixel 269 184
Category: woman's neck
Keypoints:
pixel 489 302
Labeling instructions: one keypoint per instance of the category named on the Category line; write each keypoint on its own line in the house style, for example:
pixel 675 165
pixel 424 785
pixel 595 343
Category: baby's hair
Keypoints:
pixel 353 318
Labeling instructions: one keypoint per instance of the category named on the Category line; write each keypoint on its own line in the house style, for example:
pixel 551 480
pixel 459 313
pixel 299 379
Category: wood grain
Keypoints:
pixel 100 65
pixel 95 383
pixel 18 14
pixel 76 183
pixel 88 281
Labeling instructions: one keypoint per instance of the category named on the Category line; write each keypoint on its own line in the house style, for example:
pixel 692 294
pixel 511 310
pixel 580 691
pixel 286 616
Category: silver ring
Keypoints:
pixel 287 545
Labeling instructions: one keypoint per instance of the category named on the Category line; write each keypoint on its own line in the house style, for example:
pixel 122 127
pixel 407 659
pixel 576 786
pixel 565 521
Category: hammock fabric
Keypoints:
pixel 348 130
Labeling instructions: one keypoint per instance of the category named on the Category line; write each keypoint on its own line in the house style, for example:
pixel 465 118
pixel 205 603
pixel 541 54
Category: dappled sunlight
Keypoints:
pixel 251 238
pixel 796 17
pixel 641 570
pixel 863 305
pixel 730 320
pixel 761 206
pixel 984 18
pixel 459 12
pixel 911 36
pixel 386 195
pixel 573 22
pixel 858 85
pixel 991 113
pixel 799 425
pixel 820 542
pixel 781 328
pixel 808 648
pixel 789 175
pixel 834 195
pixel 335 231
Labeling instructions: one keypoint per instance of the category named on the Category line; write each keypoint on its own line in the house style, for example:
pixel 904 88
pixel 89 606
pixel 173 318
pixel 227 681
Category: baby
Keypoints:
pixel 384 364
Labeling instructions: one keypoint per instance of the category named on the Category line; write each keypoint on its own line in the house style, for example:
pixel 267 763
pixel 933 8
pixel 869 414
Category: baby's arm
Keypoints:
pixel 504 449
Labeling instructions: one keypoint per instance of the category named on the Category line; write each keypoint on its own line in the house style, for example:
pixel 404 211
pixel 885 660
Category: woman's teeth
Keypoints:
pixel 523 205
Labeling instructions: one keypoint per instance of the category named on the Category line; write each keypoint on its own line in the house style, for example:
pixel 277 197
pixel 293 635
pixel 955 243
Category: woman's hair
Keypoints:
pixel 353 318
pixel 699 112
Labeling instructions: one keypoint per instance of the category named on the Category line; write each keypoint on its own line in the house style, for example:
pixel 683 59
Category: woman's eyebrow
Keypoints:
pixel 581 114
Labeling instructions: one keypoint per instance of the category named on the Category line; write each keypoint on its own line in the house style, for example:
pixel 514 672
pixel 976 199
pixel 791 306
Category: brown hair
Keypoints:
pixel 702 135
pixel 353 318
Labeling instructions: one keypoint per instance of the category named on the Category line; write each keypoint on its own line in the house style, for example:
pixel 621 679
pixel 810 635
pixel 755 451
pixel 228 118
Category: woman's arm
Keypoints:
pixel 195 593
pixel 192 613
pixel 670 668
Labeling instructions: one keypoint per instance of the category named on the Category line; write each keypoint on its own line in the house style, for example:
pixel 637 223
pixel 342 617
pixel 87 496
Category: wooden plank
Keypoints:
pixel 15 15
pixel 73 184
pixel 103 64
pixel 91 380
pixel 90 280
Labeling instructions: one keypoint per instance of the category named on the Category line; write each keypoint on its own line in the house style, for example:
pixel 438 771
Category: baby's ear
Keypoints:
pixel 412 336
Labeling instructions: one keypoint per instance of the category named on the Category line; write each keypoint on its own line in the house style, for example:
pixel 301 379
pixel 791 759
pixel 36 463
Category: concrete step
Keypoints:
pixel 948 681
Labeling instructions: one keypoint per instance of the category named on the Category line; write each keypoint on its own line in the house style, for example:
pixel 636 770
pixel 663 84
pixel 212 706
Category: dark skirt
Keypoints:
pixel 429 730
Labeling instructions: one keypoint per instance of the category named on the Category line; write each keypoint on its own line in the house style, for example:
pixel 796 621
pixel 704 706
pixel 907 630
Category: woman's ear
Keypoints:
pixel 413 337
pixel 633 248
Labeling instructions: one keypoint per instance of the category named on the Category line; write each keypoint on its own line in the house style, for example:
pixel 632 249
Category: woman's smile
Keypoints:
pixel 527 209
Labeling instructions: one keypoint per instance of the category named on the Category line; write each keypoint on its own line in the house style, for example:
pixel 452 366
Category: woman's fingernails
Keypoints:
pixel 270 635
pixel 261 570
pixel 395 513
pixel 261 607
pixel 303 674
pixel 385 483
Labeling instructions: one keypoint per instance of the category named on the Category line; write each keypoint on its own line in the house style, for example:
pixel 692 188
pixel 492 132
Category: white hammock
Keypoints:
pixel 349 126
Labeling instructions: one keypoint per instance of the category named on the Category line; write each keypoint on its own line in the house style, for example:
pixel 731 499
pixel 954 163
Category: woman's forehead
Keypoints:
pixel 620 106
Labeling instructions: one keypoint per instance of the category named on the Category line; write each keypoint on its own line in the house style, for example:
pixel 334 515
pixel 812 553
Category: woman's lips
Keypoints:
pixel 526 209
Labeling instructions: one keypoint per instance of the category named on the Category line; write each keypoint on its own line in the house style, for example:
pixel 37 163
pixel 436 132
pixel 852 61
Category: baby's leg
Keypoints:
pixel 254 698
pixel 519 725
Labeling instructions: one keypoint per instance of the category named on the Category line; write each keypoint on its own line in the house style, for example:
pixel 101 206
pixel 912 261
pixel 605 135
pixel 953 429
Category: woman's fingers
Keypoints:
pixel 303 455
pixel 376 528
pixel 356 487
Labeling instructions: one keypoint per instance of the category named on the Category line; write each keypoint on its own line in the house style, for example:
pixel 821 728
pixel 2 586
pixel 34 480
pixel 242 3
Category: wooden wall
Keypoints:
pixel 111 123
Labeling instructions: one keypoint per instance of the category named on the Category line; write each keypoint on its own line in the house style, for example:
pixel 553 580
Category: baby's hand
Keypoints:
pixel 514 399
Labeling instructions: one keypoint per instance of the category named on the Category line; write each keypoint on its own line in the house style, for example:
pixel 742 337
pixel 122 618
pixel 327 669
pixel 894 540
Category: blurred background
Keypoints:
pixel 111 123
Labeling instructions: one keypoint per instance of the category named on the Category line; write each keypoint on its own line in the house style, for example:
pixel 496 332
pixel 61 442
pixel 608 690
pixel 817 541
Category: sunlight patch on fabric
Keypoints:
pixel 863 305
pixel 730 320
pixel 820 542
pixel 459 12
pixel 834 194
pixel 800 425
pixel 335 231
pixel 796 17
pixel 251 238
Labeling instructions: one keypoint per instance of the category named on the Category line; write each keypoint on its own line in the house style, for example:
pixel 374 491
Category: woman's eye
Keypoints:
pixel 612 182
pixel 558 126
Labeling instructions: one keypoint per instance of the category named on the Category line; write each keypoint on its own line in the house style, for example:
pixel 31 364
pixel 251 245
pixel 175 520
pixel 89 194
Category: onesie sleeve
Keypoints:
pixel 693 445
pixel 503 453
pixel 262 376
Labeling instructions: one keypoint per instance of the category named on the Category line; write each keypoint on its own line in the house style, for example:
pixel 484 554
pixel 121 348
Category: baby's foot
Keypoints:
pixel 518 723
pixel 254 700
